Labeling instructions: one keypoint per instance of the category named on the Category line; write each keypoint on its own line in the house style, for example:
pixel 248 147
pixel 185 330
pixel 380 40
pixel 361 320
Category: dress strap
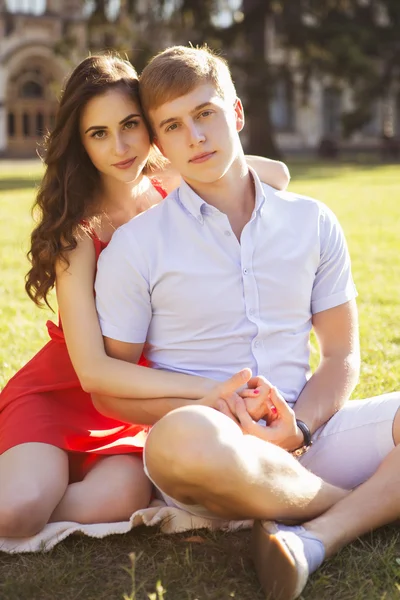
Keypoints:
pixel 158 186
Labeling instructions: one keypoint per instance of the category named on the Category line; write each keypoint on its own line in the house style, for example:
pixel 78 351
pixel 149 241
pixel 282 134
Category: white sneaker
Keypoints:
pixel 279 559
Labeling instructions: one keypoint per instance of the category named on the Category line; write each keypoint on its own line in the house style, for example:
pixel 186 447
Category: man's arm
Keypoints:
pixel 330 386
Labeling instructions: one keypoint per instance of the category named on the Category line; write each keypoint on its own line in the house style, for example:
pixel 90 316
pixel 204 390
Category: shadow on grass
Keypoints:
pixel 18 183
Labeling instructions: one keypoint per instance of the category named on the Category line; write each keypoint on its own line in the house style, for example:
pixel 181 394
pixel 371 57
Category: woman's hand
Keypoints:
pixel 226 391
pixel 257 397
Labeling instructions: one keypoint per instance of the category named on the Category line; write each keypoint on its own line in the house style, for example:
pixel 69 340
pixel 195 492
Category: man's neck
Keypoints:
pixel 233 194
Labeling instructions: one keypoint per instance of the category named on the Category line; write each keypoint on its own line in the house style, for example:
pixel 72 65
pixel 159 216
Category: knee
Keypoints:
pixel 189 440
pixel 22 517
pixel 130 485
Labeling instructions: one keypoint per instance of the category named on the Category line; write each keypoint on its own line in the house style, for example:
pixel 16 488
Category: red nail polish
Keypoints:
pixel 256 391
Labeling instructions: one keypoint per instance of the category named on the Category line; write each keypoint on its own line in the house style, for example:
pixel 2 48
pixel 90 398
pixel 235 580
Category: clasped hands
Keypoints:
pixel 246 400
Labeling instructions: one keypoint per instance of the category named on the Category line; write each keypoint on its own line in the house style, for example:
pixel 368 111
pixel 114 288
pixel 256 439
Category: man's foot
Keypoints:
pixel 284 557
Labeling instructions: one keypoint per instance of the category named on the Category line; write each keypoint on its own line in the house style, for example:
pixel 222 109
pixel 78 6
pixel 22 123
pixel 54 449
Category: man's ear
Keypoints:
pixel 239 114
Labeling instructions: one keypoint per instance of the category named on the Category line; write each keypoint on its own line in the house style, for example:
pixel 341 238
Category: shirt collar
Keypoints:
pixel 197 207
pixel 259 192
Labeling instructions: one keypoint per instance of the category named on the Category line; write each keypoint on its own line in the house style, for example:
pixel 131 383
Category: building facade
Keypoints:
pixel 41 41
pixel 302 122
pixel 32 69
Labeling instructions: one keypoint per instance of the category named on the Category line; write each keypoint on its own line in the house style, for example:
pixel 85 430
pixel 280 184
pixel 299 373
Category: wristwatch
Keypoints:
pixel 307 443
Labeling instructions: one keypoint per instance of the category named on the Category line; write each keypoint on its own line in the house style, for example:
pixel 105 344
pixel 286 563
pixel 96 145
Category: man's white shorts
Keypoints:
pixel 346 451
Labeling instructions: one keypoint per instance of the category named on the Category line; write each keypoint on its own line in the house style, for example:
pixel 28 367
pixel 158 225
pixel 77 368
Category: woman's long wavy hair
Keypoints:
pixel 66 196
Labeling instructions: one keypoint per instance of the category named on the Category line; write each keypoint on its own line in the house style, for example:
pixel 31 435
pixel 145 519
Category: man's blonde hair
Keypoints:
pixel 178 70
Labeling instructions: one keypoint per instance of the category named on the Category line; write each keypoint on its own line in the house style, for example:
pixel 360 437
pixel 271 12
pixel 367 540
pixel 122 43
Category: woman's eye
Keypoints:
pixel 131 124
pixel 98 135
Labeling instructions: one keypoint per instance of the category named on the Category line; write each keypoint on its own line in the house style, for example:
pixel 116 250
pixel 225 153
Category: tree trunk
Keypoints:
pixel 258 80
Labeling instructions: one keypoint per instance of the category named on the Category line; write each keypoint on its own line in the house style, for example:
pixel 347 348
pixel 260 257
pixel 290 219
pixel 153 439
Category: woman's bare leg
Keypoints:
pixel 112 490
pixel 33 479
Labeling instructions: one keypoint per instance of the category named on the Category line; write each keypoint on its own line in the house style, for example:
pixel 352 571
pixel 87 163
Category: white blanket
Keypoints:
pixel 171 520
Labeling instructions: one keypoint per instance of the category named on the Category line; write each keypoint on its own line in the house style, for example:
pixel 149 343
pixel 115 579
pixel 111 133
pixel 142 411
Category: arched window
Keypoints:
pixel 31 89
pixel 332 111
pixel 39 124
pixel 25 125
pixel 11 124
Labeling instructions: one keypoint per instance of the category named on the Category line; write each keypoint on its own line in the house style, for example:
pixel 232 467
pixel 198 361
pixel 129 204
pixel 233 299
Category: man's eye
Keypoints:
pixel 172 127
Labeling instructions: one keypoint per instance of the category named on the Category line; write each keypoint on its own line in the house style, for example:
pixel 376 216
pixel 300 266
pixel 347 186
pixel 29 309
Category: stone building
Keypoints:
pixel 302 123
pixel 31 69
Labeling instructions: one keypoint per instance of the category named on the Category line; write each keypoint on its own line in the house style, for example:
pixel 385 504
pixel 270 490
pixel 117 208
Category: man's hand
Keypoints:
pixel 281 429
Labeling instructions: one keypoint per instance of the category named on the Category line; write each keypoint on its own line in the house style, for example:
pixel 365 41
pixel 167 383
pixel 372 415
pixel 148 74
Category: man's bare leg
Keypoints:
pixel 210 462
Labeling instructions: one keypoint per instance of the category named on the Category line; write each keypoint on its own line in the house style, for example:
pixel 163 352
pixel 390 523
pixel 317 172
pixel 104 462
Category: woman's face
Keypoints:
pixel 115 135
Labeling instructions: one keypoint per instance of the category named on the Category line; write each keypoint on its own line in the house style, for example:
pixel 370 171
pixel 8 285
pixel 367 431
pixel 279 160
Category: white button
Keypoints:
pixel 200 218
pixel 245 271
pixel 227 233
pixel 251 311
pixel 257 344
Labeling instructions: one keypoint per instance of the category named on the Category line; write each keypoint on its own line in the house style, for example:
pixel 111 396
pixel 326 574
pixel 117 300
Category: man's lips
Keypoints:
pixel 125 164
pixel 199 158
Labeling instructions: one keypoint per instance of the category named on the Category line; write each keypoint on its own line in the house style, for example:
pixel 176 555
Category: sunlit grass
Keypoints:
pixel 367 202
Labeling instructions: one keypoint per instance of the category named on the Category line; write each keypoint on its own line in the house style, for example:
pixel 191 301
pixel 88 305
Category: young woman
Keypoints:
pixel 59 458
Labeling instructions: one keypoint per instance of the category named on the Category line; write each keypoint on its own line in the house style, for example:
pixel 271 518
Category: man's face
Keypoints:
pixel 198 133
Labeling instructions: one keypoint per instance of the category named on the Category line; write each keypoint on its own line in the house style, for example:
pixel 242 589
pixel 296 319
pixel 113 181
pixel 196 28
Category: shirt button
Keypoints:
pixel 200 218
pixel 257 344
pixel 245 271
pixel 227 233
pixel 251 311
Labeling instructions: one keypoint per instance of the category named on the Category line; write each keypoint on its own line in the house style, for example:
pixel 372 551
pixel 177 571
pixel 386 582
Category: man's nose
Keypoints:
pixel 196 134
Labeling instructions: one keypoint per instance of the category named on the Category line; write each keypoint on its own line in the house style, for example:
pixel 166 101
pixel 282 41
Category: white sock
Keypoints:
pixel 314 550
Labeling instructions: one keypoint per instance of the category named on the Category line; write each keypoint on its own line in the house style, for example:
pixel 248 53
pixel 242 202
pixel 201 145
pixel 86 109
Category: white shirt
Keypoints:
pixel 177 278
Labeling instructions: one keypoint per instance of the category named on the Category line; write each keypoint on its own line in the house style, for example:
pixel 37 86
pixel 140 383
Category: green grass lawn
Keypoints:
pixel 216 566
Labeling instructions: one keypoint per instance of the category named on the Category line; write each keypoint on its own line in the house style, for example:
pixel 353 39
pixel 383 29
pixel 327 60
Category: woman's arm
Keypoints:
pixel 149 411
pixel 97 372
pixel 273 172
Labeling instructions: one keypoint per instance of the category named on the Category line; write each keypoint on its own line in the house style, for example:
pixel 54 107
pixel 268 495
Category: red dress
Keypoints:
pixel 44 402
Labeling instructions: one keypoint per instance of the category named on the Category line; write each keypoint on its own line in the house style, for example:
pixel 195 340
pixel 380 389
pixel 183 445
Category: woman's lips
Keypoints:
pixel 125 164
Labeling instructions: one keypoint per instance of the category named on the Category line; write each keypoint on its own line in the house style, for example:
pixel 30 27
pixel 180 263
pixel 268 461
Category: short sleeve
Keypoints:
pixel 333 283
pixel 122 290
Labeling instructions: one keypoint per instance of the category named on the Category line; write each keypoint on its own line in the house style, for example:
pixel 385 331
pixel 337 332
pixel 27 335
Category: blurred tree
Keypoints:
pixel 198 22
pixel 355 41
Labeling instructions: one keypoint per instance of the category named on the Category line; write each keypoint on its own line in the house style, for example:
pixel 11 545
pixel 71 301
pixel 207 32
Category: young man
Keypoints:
pixel 228 273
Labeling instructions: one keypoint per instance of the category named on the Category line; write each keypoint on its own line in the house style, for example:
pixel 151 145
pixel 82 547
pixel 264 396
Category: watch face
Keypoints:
pixel 300 451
